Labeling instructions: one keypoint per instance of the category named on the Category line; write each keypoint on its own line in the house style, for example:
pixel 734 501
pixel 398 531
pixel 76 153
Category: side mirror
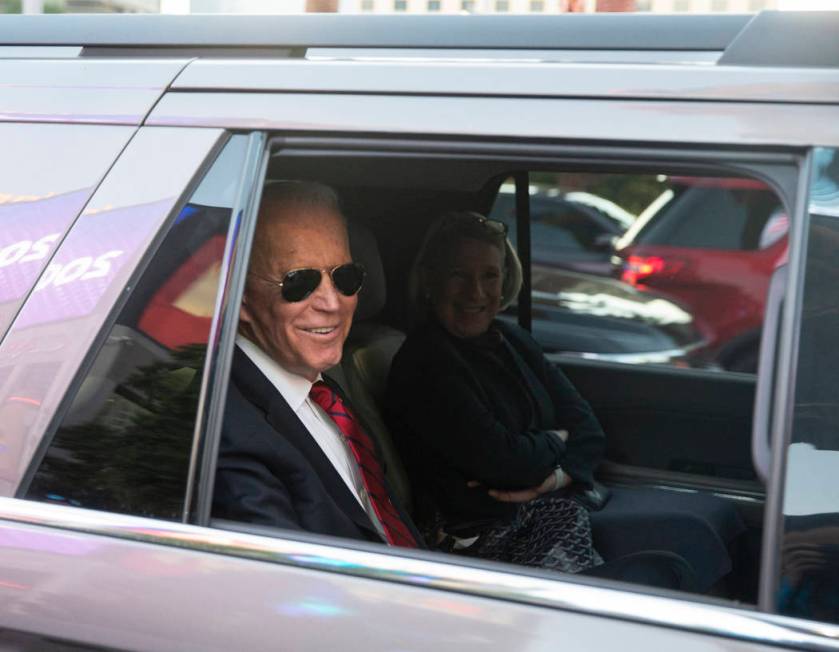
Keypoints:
pixel 605 242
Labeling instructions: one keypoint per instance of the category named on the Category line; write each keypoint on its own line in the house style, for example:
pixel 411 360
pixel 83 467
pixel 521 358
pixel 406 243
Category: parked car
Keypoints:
pixel 135 152
pixel 574 231
pixel 597 318
pixel 712 244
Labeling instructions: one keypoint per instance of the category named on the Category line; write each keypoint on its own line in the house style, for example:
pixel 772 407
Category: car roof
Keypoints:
pixel 769 38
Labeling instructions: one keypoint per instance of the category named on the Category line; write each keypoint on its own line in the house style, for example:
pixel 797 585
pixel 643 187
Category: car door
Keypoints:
pixel 95 553
pixel 240 586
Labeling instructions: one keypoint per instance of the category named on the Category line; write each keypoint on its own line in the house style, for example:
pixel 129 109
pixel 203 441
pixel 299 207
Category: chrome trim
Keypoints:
pixel 39 52
pixel 700 57
pixel 515 78
pixel 784 393
pixel 653 122
pixel 424 571
pixel 221 341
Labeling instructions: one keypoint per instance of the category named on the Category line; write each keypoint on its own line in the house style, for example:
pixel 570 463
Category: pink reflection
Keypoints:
pixel 13 585
pixel 60 319
pixel 23 399
pixel 63 544
pixel 81 271
pixel 32 228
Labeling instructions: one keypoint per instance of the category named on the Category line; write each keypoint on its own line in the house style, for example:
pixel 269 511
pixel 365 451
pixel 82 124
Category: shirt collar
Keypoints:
pixel 293 387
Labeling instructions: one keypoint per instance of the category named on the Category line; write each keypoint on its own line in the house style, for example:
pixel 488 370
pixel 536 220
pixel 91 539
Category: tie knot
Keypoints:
pixel 323 395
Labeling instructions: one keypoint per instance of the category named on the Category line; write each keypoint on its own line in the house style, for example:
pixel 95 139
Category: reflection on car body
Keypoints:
pixel 112 386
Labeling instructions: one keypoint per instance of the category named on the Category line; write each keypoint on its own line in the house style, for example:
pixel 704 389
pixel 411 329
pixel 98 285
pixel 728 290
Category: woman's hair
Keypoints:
pixel 442 239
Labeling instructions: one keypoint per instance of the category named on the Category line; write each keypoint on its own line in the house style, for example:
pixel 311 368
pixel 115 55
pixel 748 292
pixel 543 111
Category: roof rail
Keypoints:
pixel 567 31
pixel 773 38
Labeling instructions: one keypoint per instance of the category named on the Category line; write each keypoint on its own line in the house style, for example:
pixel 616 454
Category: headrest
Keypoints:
pixel 364 250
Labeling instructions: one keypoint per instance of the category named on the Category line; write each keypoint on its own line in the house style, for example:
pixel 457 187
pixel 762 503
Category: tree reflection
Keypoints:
pixel 133 457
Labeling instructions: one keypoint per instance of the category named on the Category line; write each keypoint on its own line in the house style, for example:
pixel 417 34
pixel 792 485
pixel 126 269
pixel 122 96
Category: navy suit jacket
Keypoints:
pixel 272 472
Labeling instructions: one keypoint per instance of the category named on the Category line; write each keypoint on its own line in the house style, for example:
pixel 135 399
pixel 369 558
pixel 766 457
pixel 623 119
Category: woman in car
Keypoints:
pixel 489 428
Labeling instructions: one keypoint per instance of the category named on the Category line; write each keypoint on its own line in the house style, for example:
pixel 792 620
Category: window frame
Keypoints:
pixel 214 381
pixel 747 160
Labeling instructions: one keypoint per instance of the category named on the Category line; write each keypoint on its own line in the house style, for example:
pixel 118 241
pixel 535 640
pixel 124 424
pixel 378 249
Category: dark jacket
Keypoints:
pixel 481 410
pixel 272 472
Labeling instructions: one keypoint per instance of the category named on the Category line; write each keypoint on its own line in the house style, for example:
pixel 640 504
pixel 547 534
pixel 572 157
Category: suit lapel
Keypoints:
pixel 282 418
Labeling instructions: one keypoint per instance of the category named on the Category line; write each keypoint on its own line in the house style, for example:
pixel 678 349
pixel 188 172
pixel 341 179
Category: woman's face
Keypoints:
pixel 466 293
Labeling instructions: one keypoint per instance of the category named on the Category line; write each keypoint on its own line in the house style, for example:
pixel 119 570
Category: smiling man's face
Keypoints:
pixel 304 337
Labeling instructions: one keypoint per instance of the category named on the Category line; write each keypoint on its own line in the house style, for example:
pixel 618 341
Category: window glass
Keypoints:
pixel 47 174
pixel 810 544
pixel 650 268
pixel 125 442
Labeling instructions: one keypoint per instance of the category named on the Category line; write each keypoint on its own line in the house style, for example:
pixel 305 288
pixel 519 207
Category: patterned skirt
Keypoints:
pixel 548 532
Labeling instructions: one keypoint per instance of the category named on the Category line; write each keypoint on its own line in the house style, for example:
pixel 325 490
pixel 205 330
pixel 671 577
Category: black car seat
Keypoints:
pixel 368 353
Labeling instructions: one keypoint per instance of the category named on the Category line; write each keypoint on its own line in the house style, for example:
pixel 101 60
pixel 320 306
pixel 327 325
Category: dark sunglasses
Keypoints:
pixel 493 226
pixel 298 284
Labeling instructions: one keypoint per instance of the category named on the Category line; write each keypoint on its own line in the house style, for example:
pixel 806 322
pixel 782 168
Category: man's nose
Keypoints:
pixel 325 296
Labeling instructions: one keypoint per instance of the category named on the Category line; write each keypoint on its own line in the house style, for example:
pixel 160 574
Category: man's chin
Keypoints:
pixel 322 363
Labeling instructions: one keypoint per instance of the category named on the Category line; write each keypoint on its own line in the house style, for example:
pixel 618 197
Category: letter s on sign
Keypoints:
pixel 78 269
pixel 102 265
pixel 40 248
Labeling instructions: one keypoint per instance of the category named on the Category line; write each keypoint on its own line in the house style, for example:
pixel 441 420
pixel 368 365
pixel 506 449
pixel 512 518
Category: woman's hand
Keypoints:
pixel 557 479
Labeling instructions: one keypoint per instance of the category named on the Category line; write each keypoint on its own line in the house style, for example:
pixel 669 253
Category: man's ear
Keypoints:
pixel 246 320
pixel 245 312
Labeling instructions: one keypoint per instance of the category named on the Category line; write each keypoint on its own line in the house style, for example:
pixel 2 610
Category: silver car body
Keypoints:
pixel 107 581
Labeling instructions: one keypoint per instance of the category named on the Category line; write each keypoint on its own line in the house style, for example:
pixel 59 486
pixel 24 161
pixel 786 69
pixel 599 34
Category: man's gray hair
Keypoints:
pixel 302 194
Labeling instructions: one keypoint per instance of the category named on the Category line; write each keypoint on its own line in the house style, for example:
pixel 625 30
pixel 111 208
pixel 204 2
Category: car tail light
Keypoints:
pixel 638 269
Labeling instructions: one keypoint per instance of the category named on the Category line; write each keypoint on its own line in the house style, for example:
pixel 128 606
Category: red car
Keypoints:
pixel 718 266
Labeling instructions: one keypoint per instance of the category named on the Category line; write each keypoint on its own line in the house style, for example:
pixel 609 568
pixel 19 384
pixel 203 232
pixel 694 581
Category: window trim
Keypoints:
pixel 784 377
pixel 426 570
pixel 217 364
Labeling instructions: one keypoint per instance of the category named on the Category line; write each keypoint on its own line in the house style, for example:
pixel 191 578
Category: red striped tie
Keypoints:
pixel 398 534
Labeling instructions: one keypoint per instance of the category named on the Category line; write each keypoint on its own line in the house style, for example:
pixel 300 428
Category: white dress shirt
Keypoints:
pixel 295 390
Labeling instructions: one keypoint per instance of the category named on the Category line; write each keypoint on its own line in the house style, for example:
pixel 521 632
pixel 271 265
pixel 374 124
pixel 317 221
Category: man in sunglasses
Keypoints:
pixel 292 453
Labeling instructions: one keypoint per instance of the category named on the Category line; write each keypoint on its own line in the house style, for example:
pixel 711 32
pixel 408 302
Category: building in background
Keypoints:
pixel 554 6
pixel 407 6
pixel 264 7
pixel 80 6
pixel 467 6
pixel 705 6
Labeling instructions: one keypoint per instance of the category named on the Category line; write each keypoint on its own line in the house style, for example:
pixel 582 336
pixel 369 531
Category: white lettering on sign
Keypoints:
pixel 25 251
pixel 79 269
